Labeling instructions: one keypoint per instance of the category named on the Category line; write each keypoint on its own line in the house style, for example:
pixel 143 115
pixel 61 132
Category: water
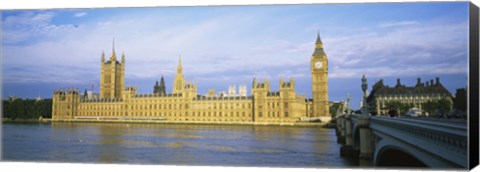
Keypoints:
pixel 168 144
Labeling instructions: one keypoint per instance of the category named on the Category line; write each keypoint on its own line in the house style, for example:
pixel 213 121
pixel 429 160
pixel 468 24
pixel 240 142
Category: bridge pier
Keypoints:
pixel 341 130
pixel 348 150
pixel 366 138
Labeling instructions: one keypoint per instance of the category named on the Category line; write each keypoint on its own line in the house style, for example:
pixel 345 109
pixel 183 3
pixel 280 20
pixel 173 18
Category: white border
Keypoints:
pixel 57 4
pixel 49 4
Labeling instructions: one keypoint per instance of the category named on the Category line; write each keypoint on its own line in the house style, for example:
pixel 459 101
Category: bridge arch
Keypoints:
pixel 393 156
pixel 391 152
pixel 410 143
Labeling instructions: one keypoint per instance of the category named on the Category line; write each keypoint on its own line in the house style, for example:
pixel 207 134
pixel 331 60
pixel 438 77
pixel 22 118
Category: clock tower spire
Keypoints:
pixel 319 68
pixel 319 43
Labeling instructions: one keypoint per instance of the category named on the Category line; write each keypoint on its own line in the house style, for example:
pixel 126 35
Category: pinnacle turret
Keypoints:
pixel 123 57
pixel 319 52
pixel 103 56
pixel 318 38
pixel 113 58
pixel 179 67
pixel 318 43
pixel 113 45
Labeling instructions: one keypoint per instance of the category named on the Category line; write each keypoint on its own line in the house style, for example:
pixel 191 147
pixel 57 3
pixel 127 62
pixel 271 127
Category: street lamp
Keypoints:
pixel 364 88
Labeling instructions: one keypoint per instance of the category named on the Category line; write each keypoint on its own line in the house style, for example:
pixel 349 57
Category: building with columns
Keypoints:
pixel 117 102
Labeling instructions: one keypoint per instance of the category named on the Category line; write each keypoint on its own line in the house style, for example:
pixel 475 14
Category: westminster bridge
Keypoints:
pixel 407 142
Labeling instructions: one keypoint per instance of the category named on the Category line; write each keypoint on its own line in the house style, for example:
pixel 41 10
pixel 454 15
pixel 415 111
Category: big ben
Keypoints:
pixel 319 67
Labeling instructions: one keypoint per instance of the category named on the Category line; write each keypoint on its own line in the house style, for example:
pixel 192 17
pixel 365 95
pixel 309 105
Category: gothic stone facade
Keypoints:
pixel 185 104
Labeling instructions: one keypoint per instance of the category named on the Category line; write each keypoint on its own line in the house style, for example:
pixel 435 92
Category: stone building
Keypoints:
pixel 414 95
pixel 112 76
pixel 160 89
pixel 185 104
pixel 319 68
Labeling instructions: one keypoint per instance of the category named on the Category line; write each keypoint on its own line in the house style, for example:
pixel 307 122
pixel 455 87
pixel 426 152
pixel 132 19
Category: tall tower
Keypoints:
pixel 319 67
pixel 112 76
pixel 179 81
pixel 163 89
pixel 160 89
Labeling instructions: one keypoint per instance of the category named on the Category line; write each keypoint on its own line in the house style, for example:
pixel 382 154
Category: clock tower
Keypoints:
pixel 319 68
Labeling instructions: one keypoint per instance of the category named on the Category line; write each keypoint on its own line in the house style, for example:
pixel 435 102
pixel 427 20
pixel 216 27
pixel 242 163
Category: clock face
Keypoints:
pixel 318 65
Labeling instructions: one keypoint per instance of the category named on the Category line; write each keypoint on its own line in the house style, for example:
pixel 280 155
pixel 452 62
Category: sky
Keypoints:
pixel 43 50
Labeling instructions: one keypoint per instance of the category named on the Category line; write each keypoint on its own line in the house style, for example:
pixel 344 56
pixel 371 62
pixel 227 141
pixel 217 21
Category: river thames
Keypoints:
pixel 172 144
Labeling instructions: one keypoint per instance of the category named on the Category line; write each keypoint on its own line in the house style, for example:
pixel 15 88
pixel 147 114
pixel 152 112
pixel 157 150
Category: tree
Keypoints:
pixel 17 108
pixel 27 109
pixel 6 109
pixel 460 100
pixel 398 107
pixel 334 109
pixel 437 107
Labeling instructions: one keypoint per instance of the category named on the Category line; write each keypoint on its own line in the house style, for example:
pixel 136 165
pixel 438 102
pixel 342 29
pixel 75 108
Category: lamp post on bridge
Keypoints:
pixel 348 111
pixel 365 110
pixel 366 138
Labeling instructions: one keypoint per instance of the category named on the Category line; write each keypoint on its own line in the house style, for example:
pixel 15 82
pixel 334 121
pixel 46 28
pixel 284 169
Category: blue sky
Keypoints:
pixel 229 45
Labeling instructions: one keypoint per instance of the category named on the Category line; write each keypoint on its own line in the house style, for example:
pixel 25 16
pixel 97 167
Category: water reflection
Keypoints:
pixel 113 137
pixel 182 144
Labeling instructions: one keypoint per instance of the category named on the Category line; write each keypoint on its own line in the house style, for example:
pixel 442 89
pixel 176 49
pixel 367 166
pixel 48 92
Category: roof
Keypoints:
pixel 318 52
pixel 379 89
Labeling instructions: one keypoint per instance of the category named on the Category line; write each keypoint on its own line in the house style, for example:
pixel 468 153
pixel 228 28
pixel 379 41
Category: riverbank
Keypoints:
pixel 298 124
pixel 23 120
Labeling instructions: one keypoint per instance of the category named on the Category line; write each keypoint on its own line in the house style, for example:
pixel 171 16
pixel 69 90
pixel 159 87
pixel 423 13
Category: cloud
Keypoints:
pixel 151 49
pixel 80 14
pixel 28 19
pixel 399 23
pixel 413 50
pixel 29 27
pixel 231 47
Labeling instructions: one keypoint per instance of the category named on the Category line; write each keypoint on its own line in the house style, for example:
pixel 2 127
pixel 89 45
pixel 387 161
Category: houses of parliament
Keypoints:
pixel 119 102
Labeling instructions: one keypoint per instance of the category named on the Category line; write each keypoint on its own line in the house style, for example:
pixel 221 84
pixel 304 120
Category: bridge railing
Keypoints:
pixel 446 140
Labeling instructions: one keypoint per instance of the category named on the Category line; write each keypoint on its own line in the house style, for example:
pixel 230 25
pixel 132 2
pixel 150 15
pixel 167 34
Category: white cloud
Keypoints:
pixel 212 49
pixel 28 27
pixel 414 50
pixel 399 23
pixel 80 14
pixel 29 19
